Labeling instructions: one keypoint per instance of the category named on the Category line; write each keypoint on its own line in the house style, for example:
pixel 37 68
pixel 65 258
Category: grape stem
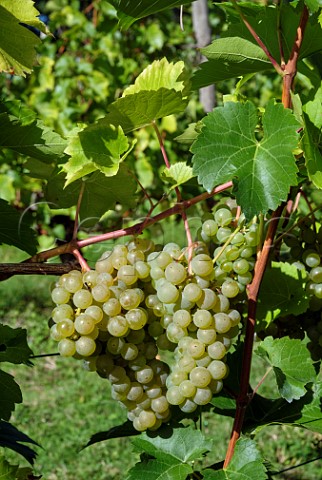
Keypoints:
pixel 179 197
pixel 81 260
pixel 227 242
pixel 133 230
pixel 79 202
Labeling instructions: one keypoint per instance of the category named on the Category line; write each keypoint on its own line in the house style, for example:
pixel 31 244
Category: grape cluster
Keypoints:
pixel 141 300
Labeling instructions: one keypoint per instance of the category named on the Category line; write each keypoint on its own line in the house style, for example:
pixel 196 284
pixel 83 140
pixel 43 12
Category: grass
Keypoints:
pixel 64 405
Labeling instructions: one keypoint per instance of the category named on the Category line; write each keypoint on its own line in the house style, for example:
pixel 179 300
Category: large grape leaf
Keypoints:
pixel 171 449
pixel 17 43
pixel 282 292
pixel 11 437
pixel 128 11
pixel 15 230
pixel 247 464
pixel 10 395
pixel 97 147
pixel 35 139
pixel 242 58
pixel 13 345
pixel 291 363
pixel 100 194
pixel 7 471
pixel 227 148
pixel 312 143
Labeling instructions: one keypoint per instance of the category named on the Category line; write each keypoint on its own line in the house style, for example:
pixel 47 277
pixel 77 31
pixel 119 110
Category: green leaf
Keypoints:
pixel 313 5
pixel 263 20
pixel 161 74
pixel 15 230
pixel 247 464
pixel 282 292
pixel 128 12
pixel 17 43
pixel 291 363
pixel 227 148
pixel 35 139
pixel 141 109
pixel 13 345
pixel 172 449
pixel 7 471
pixel 190 134
pixel 229 58
pixel 11 437
pixel 305 412
pixel 101 193
pixel 313 108
pixel 10 394
pixel 177 174
pixel 181 444
pixel 97 147
pixel 311 144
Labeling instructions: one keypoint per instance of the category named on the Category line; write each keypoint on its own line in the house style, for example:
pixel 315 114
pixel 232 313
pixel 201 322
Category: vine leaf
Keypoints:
pixel 17 43
pixel 227 148
pixel 170 450
pixel 247 463
pixel 313 5
pixel 305 412
pixel 97 147
pixel 15 229
pixel 160 90
pixel 7 471
pixel 128 12
pixel 11 437
pixel 190 134
pixel 177 174
pixel 246 59
pixel 229 58
pixel 282 292
pixel 10 395
pixel 313 159
pixel 100 194
pixel 13 345
pixel 34 140
pixel 291 363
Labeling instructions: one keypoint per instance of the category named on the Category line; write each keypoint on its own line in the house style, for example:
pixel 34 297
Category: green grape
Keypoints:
pixel 155 329
pixel 182 318
pixel 241 266
pixel 175 273
pixel 168 293
pixel 223 234
pixel 66 347
pixel 208 299
pixel 90 278
pixel 153 391
pixel 222 304
pixel 123 386
pixel 163 259
pixel 164 343
pixel 202 396
pixel 245 279
pixel 145 420
pixel 174 396
pixel 118 326
pixel 127 274
pixel 73 282
pixel 114 345
pixel 101 293
pixel 95 313
pixel 311 258
pixel 142 269
pixel 60 295
pixel 104 265
pixel 160 404
pixel 202 265
pixel 54 333
pixel 315 275
pixel 230 288
pixel 61 312
pixel 232 253
pixel 192 292
pixel 318 290
pixel 104 364
pixel 206 335
pixel 84 324
pixel 65 328
pixel 188 406
pixel 210 227
pixel 223 216
pixel 135 392
pixel 105 278
pixel 216 350
pixel 252 238
pixel 135 256
pixel 136 318
pixel 187 388
pixel 82 299
pixel 222 322
pixel 176 377
pixel 203 361
pixel 173 249
pixel 130 299
pixel 112 307
pixel 202 318
pixel 187 363
pixel 196 349
pixel 144 375
pixel 246 252
pixel 200 377
pixel 238 239
pixel 156 273
pixel 217 369
pixel 85 346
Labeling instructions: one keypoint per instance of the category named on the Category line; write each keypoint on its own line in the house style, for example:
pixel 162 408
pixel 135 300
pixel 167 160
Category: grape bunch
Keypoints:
pixel 142 300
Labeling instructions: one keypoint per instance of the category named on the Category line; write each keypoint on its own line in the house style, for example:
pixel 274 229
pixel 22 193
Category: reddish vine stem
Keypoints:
pixel 258 40
pixel 244 398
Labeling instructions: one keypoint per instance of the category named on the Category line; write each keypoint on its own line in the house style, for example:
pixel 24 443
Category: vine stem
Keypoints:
pixel 79 202
pixel 258 40
pixel 178 193
pixel 244 397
